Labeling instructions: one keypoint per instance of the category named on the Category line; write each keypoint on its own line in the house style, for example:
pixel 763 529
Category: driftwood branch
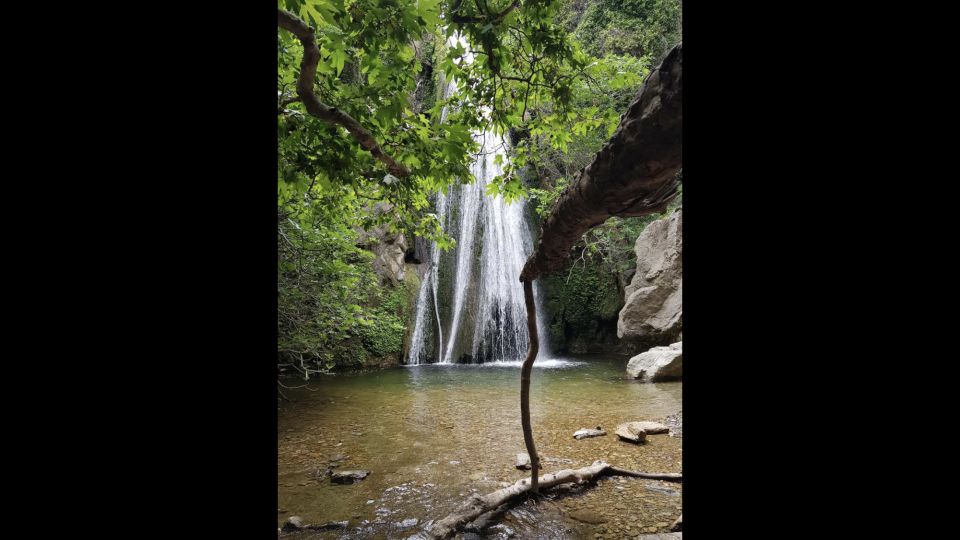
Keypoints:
pixel 478 505
pixel 308 72
pixel 633 175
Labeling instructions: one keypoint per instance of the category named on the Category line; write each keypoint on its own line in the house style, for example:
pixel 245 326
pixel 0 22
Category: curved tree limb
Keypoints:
pixel 308 72
pixel 478 505
pixel 633 175
pixel 525 385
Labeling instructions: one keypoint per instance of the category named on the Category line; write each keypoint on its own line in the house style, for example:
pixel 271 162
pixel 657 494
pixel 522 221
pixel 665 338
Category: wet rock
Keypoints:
pixel 583 433
pixel 587 516
pixel 348 477
pixel 294 523
pixel 333 525
pixel 632 432
pixel 657 364
pixel 662 489
pixel 407 523
pixel 523 461
pixel 675 422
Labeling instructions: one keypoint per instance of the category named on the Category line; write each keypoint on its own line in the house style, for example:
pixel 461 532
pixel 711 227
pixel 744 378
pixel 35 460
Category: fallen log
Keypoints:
pixel 478 505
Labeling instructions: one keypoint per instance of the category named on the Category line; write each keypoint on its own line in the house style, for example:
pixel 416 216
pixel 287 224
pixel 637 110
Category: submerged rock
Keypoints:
pixel 583 433
pixel 657 364
pixel 348 477
pixel 632 432
pixel 523 461
pixel 587 516
pixel 295 523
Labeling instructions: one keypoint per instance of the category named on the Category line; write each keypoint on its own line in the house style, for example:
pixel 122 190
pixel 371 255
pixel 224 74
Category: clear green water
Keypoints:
pixel 432 435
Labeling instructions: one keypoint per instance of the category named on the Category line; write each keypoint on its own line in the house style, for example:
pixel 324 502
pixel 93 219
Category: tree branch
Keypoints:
pixel 477 505
pixel 308 71
pixel 633 175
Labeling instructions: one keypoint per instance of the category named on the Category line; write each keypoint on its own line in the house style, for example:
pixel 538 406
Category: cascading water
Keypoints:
pixel 478 311
pixel 470 307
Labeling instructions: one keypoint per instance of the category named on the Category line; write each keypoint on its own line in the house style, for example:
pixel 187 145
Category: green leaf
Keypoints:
pixel 337 58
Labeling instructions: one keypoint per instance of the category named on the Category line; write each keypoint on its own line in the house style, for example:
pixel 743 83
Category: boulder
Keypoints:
pixel 523 461
pixel 652 311
pixel 657 364
pixel 348 477
pixel 632 432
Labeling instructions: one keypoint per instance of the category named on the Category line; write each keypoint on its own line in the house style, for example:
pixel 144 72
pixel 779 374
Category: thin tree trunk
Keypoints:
pixel 525 385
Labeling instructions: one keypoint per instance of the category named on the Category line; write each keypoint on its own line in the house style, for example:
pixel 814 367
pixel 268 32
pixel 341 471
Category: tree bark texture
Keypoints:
pixel 633 175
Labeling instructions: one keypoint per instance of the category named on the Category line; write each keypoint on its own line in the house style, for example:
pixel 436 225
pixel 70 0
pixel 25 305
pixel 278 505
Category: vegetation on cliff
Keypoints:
pixel 363 118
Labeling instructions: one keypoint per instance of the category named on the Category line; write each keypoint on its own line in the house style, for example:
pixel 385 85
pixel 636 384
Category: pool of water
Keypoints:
pixel 432 435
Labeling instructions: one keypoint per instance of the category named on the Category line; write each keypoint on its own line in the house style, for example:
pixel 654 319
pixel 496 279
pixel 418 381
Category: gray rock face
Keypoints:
pixel 389 249
pixel 653 310
pixel 632 432
pixel 348 477
pixel 389 261
pixel 583 433
pixel 657 364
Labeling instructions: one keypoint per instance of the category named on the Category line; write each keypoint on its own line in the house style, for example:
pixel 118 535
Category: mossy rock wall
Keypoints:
pixel 582 304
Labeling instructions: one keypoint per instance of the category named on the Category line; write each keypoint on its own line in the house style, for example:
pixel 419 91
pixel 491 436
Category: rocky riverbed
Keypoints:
pixel 431 436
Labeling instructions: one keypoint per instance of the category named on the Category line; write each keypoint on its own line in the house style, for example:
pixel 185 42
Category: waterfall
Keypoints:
pixel 473 293
pixel 474 290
